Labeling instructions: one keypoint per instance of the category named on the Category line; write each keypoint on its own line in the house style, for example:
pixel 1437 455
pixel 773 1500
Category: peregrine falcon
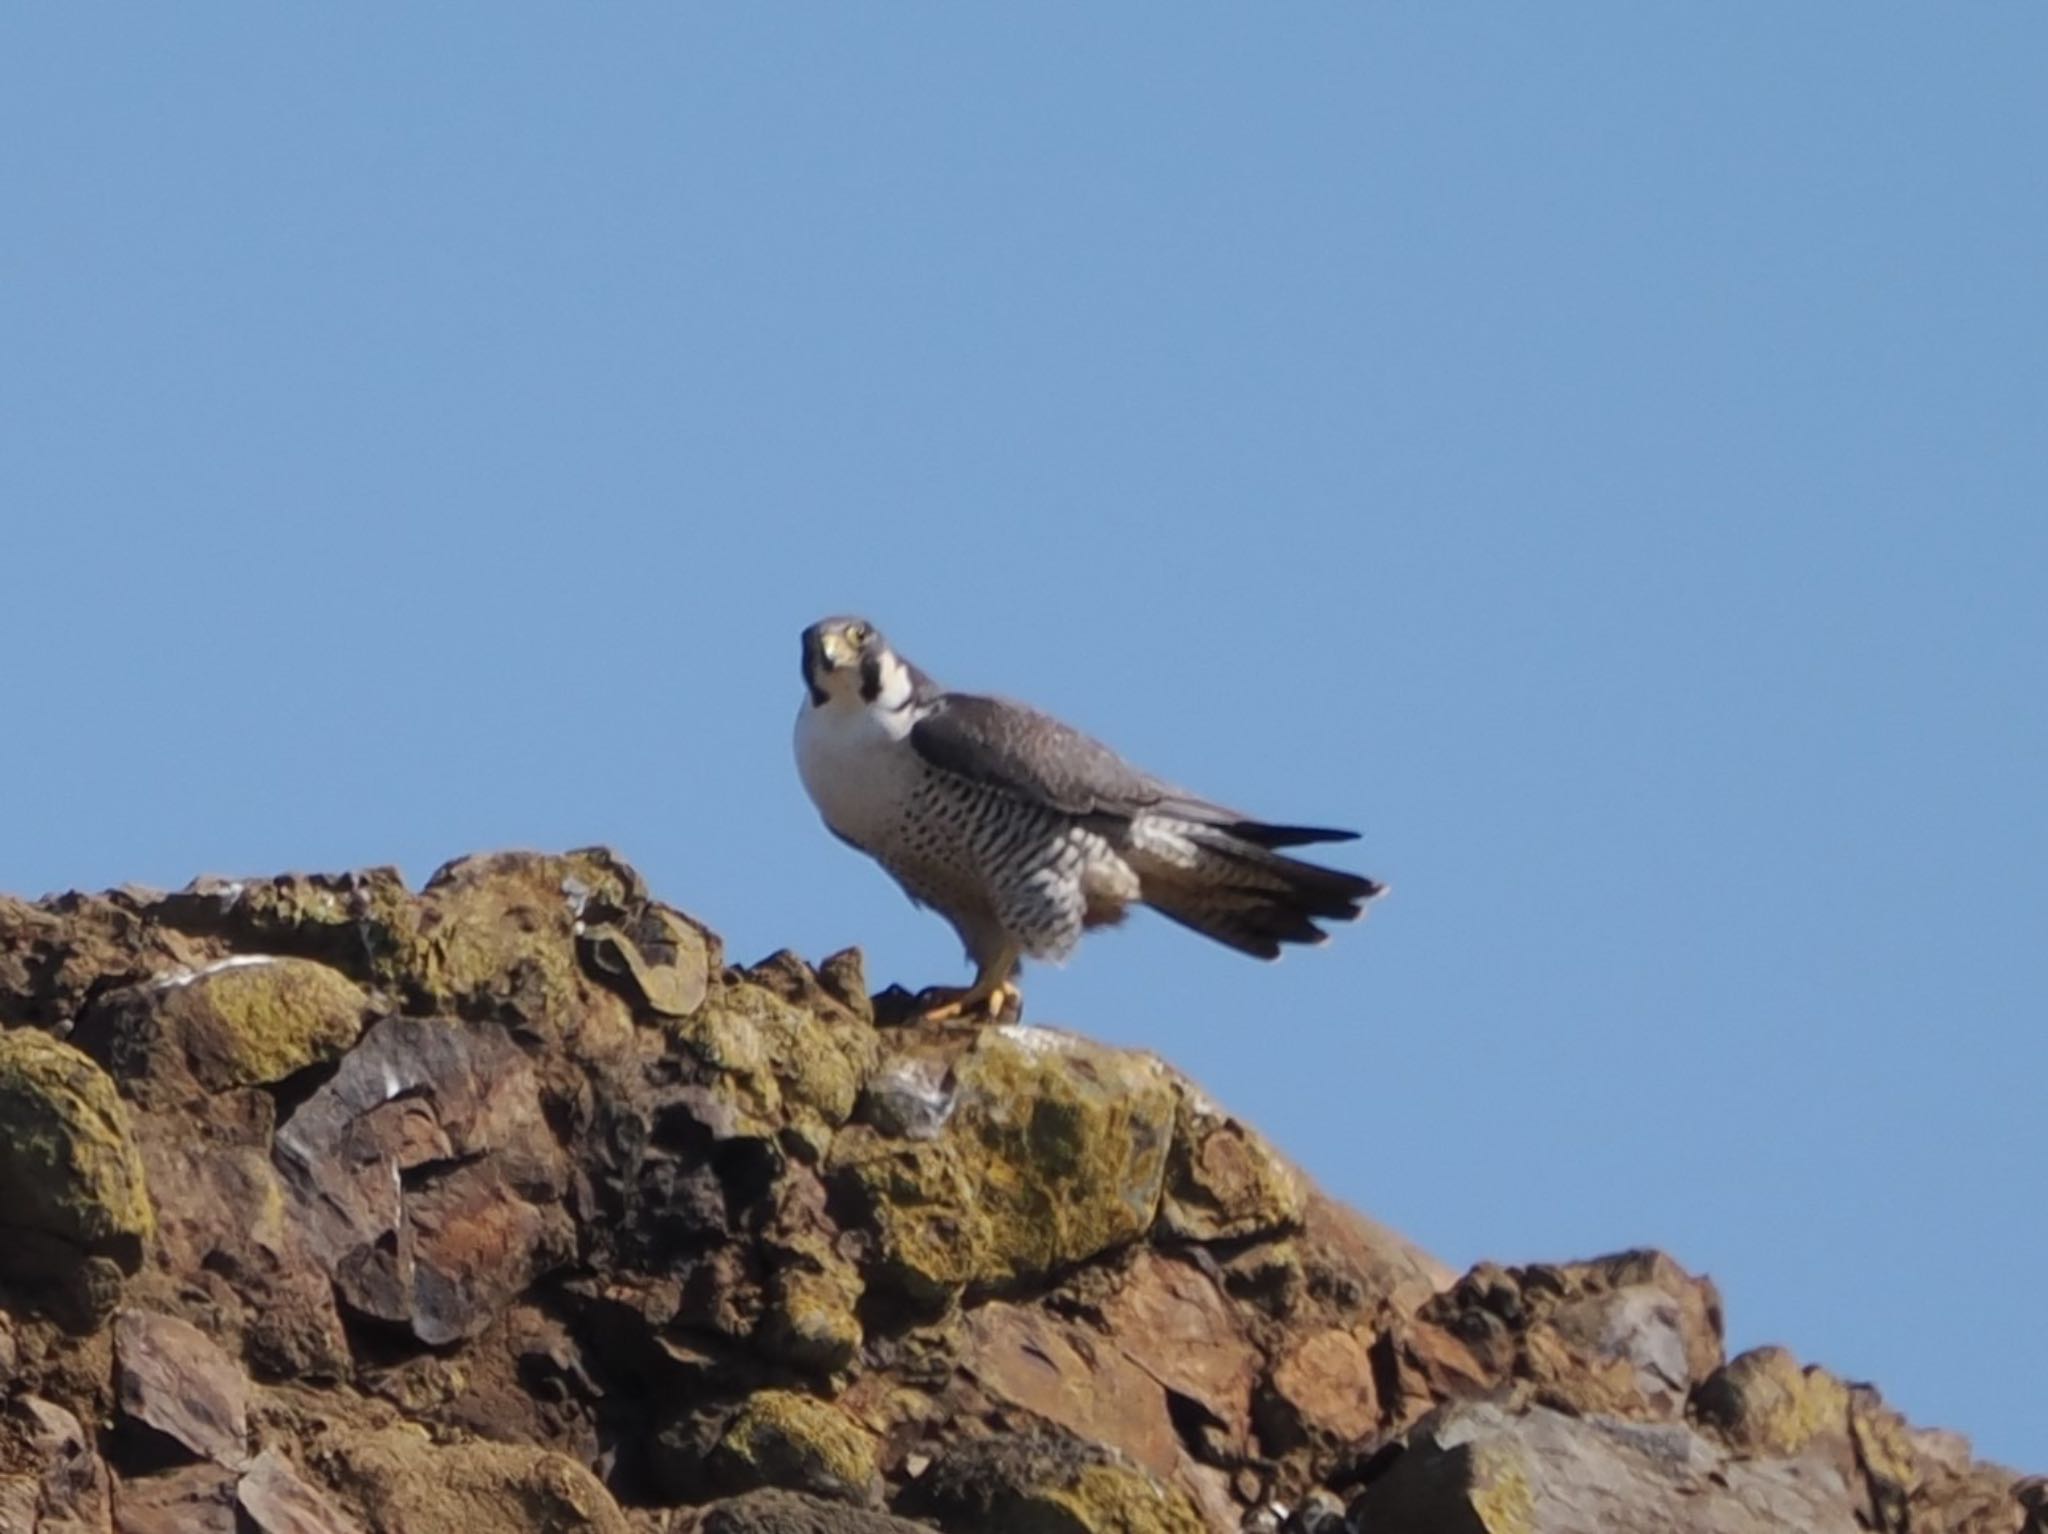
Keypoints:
pixel 1023 832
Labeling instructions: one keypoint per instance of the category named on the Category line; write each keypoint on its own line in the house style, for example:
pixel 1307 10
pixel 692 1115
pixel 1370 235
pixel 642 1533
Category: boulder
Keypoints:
pixel 1045 1483
pixel 245 1021
pixel 71 1179
pixel 171 1378
pixel 1053 1152
pixel 780 1438
pixel 425 1176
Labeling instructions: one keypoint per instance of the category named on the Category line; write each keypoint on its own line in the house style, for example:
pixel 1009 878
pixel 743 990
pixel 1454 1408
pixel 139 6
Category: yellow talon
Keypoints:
pixel 978 1003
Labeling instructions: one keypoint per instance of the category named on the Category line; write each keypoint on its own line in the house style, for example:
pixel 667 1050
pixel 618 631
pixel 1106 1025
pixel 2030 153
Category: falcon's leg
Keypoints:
pixel 992 998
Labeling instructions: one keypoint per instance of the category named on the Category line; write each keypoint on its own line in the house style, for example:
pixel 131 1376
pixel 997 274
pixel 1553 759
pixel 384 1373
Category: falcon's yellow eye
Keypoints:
pixel 857 632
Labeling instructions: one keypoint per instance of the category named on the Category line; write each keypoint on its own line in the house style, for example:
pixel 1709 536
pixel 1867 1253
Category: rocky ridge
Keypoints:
pixel 327 1208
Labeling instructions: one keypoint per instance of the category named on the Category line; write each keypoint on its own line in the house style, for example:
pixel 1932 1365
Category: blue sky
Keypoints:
pixel 1598 453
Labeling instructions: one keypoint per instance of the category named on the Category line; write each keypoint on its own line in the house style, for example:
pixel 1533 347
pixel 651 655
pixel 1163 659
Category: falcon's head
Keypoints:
pixel 847 661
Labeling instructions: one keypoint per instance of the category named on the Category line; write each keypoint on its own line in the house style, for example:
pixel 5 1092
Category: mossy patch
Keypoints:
pixel 1054 1153
pixel 813 1317
pixel 247 1025
pixel 69 1169
pixel 783 1439
pixel 1047 1483
pixel 1501 1494
pixel 1763 1402
pixel 784 1072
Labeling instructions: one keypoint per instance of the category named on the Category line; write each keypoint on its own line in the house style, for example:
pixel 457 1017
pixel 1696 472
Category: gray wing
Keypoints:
pixel 1031 756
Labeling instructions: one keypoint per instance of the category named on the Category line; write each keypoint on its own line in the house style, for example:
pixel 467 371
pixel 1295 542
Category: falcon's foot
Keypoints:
pixel 979 1003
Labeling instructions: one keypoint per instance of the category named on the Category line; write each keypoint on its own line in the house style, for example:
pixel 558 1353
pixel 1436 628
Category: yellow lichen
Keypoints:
pixel 779 1067
pixel 1501 1496
pixel 69 1168
pixel 782 1438
pixel 1763 1402
pixel 256 1024
pixel 1055 1152
pixel 1115 1499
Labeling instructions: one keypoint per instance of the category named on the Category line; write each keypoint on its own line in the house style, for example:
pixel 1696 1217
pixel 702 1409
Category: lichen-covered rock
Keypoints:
pixel 247 1021
pixel 1485 1467
pixel 813 1315
pixel 1043 1483
pixel 407 1484
pixel 504 924
pixel 359 922
pixel 780 1438
pixel 1763 1403
pixel 773 1070
pixel 1054 1152
pixel 661 957
pixel 71 1179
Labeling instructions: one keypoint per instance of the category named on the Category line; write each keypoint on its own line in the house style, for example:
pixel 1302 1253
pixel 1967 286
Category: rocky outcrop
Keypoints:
pixel 331 1208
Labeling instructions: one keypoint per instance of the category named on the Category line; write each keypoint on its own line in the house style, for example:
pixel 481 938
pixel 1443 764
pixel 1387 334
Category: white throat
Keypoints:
pixel 851 750
pixel 893 697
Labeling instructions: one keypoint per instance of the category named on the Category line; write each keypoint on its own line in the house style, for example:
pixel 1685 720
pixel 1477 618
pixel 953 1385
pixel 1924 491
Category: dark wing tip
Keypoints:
pixel 1260 834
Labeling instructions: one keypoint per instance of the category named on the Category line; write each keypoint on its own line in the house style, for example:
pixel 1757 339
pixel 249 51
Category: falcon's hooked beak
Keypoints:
pixel 848 658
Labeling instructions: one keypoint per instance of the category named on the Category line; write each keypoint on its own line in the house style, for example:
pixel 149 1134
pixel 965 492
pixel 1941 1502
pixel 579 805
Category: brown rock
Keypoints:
pixel 1486 1468
pixel 1363 1264
pixel 1065 1373
pixel 51 1478
pixel 278 1500
pixel 221 1212
pixel 407 1484
pixel 1169 1318
pixel 1427 1365
pixel 194 1499
pixel 1223 1181
pixel 1628 1335
pixel 1321 1391
pixel 425 1179
pixel 169 1376
pixel 56 953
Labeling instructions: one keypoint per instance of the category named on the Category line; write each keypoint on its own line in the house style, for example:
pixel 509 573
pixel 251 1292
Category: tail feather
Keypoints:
pixel 1237 891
